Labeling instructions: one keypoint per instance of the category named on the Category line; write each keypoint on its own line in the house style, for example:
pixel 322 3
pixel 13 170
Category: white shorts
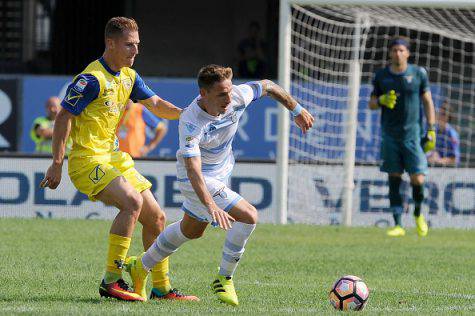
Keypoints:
pixel 223 196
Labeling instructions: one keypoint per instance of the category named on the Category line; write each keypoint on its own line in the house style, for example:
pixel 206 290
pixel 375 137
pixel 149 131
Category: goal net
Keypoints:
pixel 332 50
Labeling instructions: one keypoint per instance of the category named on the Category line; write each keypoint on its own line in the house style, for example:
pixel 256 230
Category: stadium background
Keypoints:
pixel 44 43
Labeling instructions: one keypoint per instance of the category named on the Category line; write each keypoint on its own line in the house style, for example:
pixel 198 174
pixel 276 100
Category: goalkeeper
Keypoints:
pixel 400 89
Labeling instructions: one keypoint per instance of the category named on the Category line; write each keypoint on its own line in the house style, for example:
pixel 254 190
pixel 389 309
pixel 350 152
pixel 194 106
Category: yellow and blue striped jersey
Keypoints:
pixel 97 97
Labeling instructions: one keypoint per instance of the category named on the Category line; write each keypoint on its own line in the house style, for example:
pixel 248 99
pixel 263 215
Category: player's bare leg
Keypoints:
pixel 121 194
pixel 417 183
pixel 153 221
pixel 236 238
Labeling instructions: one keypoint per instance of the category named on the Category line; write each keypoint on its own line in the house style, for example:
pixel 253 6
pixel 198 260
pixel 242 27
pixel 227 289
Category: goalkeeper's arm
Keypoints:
pixel 302 117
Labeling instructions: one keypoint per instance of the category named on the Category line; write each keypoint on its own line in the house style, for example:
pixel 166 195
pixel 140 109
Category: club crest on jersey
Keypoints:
pixel 109 88
pixel 73 97
pixel 408 79
pixel 109 103
pixel 80 85
pixel 96 174
pixel 127 83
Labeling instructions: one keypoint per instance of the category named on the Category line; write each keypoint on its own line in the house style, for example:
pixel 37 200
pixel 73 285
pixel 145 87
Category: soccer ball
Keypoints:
pixel 349 293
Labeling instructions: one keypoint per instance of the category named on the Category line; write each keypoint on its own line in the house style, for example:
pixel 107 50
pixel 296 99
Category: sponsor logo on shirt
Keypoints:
pixel 127 83
pixel 190 127
pixel 109 88
pixel 80 85
pixel 408 79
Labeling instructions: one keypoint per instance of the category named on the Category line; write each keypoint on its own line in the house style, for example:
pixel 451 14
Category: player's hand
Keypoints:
pixel 428 142
pixel 145 150
pixel 220 217
pixel 52 177
pixel 304 120
pixel 388 99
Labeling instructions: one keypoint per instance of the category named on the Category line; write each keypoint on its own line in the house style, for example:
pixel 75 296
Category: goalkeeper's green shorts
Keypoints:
pixel 400 155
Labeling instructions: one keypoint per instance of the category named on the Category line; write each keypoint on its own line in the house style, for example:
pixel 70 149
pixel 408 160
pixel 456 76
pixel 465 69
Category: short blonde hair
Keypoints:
pixel 118 25
pixel 210 74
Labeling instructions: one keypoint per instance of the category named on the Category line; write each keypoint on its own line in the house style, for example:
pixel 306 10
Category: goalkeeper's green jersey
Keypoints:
pixel 404 122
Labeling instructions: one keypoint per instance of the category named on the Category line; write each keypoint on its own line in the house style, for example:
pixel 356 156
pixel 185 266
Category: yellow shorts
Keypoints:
pixel 90 175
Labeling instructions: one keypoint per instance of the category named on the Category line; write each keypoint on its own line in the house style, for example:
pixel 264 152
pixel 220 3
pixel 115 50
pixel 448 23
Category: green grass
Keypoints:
pixel 54 267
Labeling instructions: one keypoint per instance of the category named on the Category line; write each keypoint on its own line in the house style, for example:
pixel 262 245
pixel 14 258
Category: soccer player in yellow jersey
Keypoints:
pixel 90 113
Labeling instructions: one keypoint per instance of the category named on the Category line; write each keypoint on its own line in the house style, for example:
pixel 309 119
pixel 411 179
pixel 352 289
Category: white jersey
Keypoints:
pixel 210 136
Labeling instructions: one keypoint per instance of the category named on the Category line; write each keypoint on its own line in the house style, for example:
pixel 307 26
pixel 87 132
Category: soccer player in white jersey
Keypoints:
pixel 205 162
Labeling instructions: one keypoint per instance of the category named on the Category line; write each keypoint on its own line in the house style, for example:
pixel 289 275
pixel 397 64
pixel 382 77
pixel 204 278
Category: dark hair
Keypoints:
pixel 210 74
pixel 400 40
pixel 118 25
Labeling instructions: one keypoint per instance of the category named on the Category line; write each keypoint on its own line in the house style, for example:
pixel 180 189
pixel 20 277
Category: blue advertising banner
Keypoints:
pixel 256 137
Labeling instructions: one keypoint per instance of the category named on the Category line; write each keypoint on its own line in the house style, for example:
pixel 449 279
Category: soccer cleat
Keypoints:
pixel 396 231
pixel 223 287
pixel 174 294
pixel 421 226
pixel 119 290
pixel 133 265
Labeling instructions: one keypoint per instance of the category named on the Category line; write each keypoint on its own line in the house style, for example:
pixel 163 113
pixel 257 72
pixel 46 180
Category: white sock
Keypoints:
pixel 166 243
pixel 233 249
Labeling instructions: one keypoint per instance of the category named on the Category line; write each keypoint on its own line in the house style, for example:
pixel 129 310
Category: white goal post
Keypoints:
pixel 327 47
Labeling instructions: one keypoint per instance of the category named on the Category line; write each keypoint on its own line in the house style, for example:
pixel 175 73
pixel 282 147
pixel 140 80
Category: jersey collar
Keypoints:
pixel 398 73
pixel 104 64
pixel 204 113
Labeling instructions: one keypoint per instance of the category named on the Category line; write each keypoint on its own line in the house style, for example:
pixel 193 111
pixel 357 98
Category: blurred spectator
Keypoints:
pixel 132 130
pixel 447 150
pixel 252 52
pixel 42 130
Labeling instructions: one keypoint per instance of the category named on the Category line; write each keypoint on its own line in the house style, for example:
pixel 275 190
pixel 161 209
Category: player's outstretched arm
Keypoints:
pixel 193 170
pixel 302 117
pixel 162 108
pixel 62 128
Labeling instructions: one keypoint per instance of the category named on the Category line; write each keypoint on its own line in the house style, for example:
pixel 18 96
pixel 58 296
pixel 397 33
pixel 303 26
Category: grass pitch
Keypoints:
pixel 55 266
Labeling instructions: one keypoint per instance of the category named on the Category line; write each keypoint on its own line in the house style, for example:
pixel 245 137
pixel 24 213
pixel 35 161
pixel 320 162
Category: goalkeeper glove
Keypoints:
pixel 428 142
pixel 388 99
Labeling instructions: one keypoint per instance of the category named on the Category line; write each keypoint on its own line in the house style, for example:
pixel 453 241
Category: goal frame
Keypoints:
pixel 354 87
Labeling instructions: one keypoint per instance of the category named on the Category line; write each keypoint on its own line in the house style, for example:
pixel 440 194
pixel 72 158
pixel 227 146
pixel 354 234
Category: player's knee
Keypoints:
pixel 417 179
pixel 159 221
pixel 250 215
pixel 193 234
pixel 134 204
pixel 154 223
